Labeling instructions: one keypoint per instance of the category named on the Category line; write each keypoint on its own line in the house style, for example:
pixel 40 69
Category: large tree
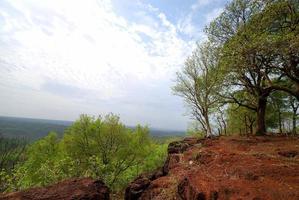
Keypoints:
pixel 251 54
pixel 235 15
pixel 199 82
pixel 276 34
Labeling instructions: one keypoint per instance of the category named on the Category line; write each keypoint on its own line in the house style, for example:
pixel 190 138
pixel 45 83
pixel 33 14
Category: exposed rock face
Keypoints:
pixel 289 154
pixel 137 187
pixel 187 192
pixel 225 168
pixel 73 189
pixel 177 147
pixel 181 146
pixel 141 183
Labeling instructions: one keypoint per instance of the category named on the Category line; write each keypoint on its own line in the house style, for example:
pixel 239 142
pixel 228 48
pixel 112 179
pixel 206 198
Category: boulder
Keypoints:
pixel 72 189
pixel 177 147
pixel 140 184
pixel 288 154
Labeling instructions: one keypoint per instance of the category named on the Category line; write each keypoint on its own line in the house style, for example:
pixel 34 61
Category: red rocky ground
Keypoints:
pixel 257 168
pixel 74 189
pixel 225 168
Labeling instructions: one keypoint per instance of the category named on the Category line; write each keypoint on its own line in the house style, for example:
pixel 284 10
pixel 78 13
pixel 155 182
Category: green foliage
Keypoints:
pixel 198 84
pixel 236 14
pixel 194 130
pixel 11 154
pixel 240 120
pixel 11 151
pixel 258 42
pixel 92 147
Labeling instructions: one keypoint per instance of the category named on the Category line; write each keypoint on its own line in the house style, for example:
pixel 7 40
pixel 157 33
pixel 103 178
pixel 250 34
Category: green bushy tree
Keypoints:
pixel 101 148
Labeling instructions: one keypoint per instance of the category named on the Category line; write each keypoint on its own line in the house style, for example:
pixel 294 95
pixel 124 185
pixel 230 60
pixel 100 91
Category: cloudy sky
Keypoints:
pixel 61 58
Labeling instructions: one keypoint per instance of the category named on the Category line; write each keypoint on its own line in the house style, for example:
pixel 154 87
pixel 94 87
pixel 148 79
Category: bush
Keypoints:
pixel 92 147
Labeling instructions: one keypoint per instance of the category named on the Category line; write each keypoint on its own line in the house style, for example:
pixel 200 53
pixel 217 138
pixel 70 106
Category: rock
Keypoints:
pixel 72 189
pixel 185 191
pixel 192 141
pixel 140 184
pixel 205 157
pixel 177 147
pixel 171 161
pixel 228 168
pixel 214 195
pixel 136 188
pixel 288 154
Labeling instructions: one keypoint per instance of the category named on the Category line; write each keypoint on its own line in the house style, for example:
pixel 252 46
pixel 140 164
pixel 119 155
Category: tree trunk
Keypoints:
pixel 261 114
pixel 279 121
pixel 220 129
pixel 209 130
pixel 297 90
pixel 224 125
pixel 289 126
pixel 251 128
pixel 294 122
pixel 246 125
pixel 294 108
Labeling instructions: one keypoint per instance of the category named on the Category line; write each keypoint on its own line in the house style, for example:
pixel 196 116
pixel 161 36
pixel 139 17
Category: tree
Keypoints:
pixel 11 154
pixel 199 82
pixel 240 120
pixel 38 169
pixel 105 146
pixel 278 100
pixel 102 148
pixel 235 15
pixel 295 106
pixel 244 71
pixel 221 121
pixel 276 31
pixel 11 150
pixel 251 52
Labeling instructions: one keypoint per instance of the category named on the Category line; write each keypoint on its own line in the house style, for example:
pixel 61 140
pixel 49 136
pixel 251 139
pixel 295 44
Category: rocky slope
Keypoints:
pixel 224 168
pixel 74 189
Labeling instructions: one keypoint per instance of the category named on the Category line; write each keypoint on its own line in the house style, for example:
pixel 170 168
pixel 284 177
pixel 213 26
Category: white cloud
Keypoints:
pixel 213 14
pixel 201 11
pixel 186 26
pixel 200 3
pixel 85 45
pixel 91 47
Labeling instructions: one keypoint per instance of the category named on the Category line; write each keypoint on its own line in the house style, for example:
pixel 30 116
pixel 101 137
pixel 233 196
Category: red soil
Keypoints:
pixel 73 189
pixel 232 168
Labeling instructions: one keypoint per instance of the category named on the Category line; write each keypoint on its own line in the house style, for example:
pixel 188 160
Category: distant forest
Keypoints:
pixel 33 129
pixel 30 129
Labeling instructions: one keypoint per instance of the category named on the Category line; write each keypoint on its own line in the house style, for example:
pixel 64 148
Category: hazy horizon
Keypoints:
pixel 70 121
pixel 60 59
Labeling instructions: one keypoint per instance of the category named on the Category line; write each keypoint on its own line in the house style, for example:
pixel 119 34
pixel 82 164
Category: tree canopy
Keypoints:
pixel 257 55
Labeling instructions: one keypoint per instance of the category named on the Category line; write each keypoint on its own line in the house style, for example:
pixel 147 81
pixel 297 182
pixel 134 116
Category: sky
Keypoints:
pixel 63 58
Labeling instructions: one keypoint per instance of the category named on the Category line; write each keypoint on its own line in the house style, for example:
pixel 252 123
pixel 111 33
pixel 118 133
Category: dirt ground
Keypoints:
pixel 232 168
pixel 256 168
pixel 72 189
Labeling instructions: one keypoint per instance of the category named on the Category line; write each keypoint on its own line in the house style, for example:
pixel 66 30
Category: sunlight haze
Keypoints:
pixel 59 59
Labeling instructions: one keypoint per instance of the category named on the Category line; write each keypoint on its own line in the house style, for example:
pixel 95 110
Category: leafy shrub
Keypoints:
pixel 92 147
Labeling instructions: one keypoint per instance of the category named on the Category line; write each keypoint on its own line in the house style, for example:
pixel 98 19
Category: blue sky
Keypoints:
pixel 61 58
